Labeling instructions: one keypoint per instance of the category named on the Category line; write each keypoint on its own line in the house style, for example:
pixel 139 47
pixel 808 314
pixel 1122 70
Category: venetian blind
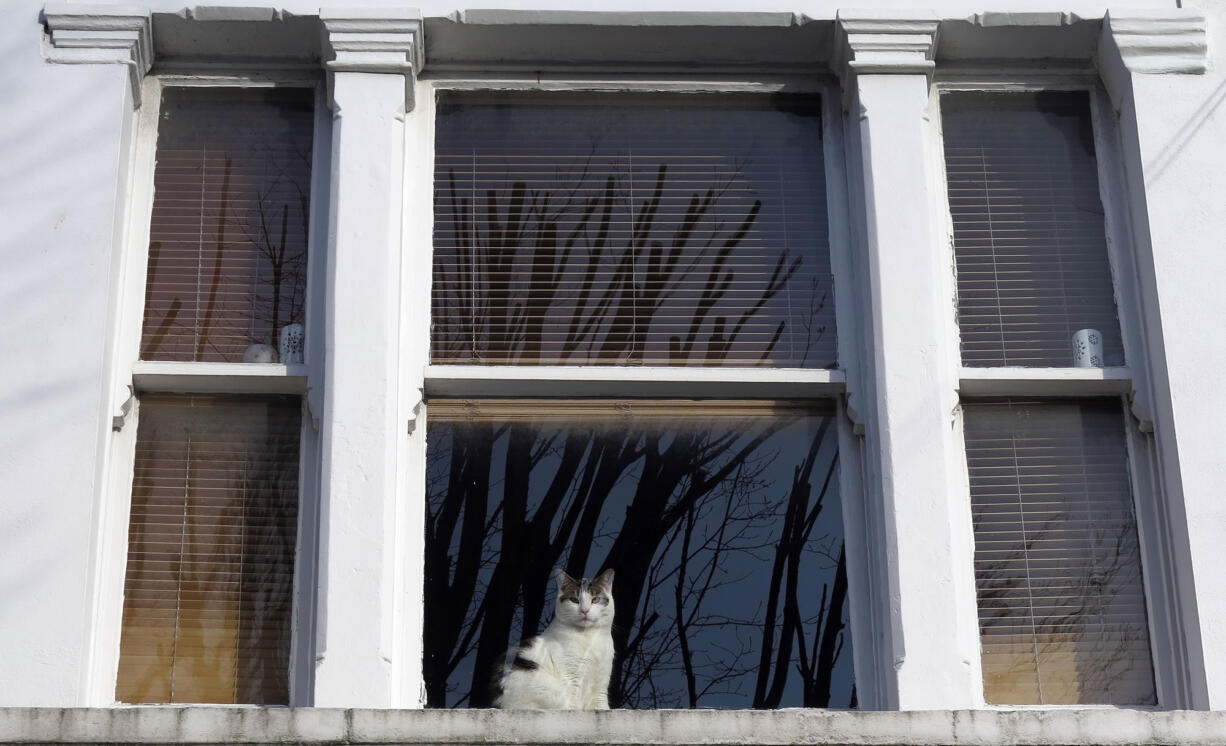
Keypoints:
pixel 228 240
pixel 1029 236
pixel 631 229
pixel 1057 564
pixel 208 593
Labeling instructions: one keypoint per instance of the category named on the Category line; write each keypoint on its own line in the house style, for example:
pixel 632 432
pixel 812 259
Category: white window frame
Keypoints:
pixel 609 381
pixel 1151 506
pixel 149 377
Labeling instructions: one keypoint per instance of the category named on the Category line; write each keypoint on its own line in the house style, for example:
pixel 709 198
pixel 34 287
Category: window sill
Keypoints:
pixel 632 381
pixel 174 724
pixel 218 378
pixel 1077 382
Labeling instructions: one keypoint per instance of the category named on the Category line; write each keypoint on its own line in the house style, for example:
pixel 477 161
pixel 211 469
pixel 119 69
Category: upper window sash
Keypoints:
pixel 227 261
pixel 1029 229
pixel 570 231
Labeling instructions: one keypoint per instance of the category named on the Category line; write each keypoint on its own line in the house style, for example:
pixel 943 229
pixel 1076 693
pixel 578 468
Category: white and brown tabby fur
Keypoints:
pixel 568 666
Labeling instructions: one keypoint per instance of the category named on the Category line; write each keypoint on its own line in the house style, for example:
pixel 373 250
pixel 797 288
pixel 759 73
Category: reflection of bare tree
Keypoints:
pixel 815 664
pixel 667 482
pixel 251 278
pixel 542 276
pixel 577 263
pixel 281 252
pixel 1061 613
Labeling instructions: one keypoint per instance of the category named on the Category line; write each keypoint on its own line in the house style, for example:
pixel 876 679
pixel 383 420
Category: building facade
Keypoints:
pixel 971 186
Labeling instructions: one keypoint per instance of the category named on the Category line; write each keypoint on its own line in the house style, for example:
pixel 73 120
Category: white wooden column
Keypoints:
pixel 360 655
pixel 906 399
pixel 1153 65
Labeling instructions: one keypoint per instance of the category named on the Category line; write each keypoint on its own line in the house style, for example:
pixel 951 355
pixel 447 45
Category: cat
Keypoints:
pixel 567 667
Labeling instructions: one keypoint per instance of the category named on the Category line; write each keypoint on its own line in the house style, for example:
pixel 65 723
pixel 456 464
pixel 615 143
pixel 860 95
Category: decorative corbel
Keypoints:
pixel 374 41
pixel 101 35
pixel 851 407
pixel 1150 42
pixel 120 417
pixel 884 42
pixel 415 412
pixel 1158 41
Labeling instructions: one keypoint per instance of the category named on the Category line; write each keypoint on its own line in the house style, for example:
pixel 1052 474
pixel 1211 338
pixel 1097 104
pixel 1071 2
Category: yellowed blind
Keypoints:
pixel 1057 563
pixel 228 239
pixel 208 592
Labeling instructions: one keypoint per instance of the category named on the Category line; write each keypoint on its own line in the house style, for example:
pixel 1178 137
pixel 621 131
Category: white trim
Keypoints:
pixel 1159 574
pixel 219 378
pixel 624 381
pixel 1062 382
pixel 114 508
pixel 561 80
pixel 415 305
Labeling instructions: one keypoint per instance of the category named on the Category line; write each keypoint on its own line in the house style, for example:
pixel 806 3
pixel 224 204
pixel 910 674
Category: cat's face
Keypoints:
pixel 585 603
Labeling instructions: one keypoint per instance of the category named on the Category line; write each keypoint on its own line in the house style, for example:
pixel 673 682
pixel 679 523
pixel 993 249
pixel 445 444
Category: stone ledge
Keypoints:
pixel 275 725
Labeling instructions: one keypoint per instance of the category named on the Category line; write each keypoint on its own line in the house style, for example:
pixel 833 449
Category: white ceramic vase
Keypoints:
pixel 292 336
pixel 1087 348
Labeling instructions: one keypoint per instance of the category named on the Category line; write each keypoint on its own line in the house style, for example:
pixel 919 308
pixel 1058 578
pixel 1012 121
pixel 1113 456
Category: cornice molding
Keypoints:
pixel 1158 41
pixel 101 35
pixel 385 40
pixel 884 42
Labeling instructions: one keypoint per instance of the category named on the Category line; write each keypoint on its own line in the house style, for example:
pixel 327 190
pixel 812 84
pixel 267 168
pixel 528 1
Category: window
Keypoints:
pixel 215 511
pixel 634 231
pixel 1062 609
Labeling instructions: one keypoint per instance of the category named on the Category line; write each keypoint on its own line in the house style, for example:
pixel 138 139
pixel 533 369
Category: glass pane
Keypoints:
pixel 228 240
pixel 722 522
pixel 1057 564
pixel 208 594
pixel 631 230
pixel 1029 236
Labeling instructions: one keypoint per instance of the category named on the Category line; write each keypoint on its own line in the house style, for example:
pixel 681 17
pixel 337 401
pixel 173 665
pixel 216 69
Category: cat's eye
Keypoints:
pixel 600 600
pixel 571 599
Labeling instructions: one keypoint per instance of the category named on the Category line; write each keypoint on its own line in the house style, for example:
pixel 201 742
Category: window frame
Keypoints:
pixel 142 376
pixel 1127 383
pixel 648 382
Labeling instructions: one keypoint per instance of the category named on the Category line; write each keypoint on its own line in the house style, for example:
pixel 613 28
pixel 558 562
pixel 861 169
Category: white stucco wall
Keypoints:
pixel 64 150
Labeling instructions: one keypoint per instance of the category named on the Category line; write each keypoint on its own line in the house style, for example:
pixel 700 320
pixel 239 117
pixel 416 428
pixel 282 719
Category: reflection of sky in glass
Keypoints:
pixel 738 469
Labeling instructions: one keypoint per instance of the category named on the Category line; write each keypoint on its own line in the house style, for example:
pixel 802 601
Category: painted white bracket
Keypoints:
pixel 875 42
pixel 101 35
pixel 119 419
pixel 1158 41
pixel 374 40
pixel 415 411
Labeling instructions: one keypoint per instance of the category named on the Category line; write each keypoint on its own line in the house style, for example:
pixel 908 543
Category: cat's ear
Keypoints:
pixel 606 579
pixel 563 579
